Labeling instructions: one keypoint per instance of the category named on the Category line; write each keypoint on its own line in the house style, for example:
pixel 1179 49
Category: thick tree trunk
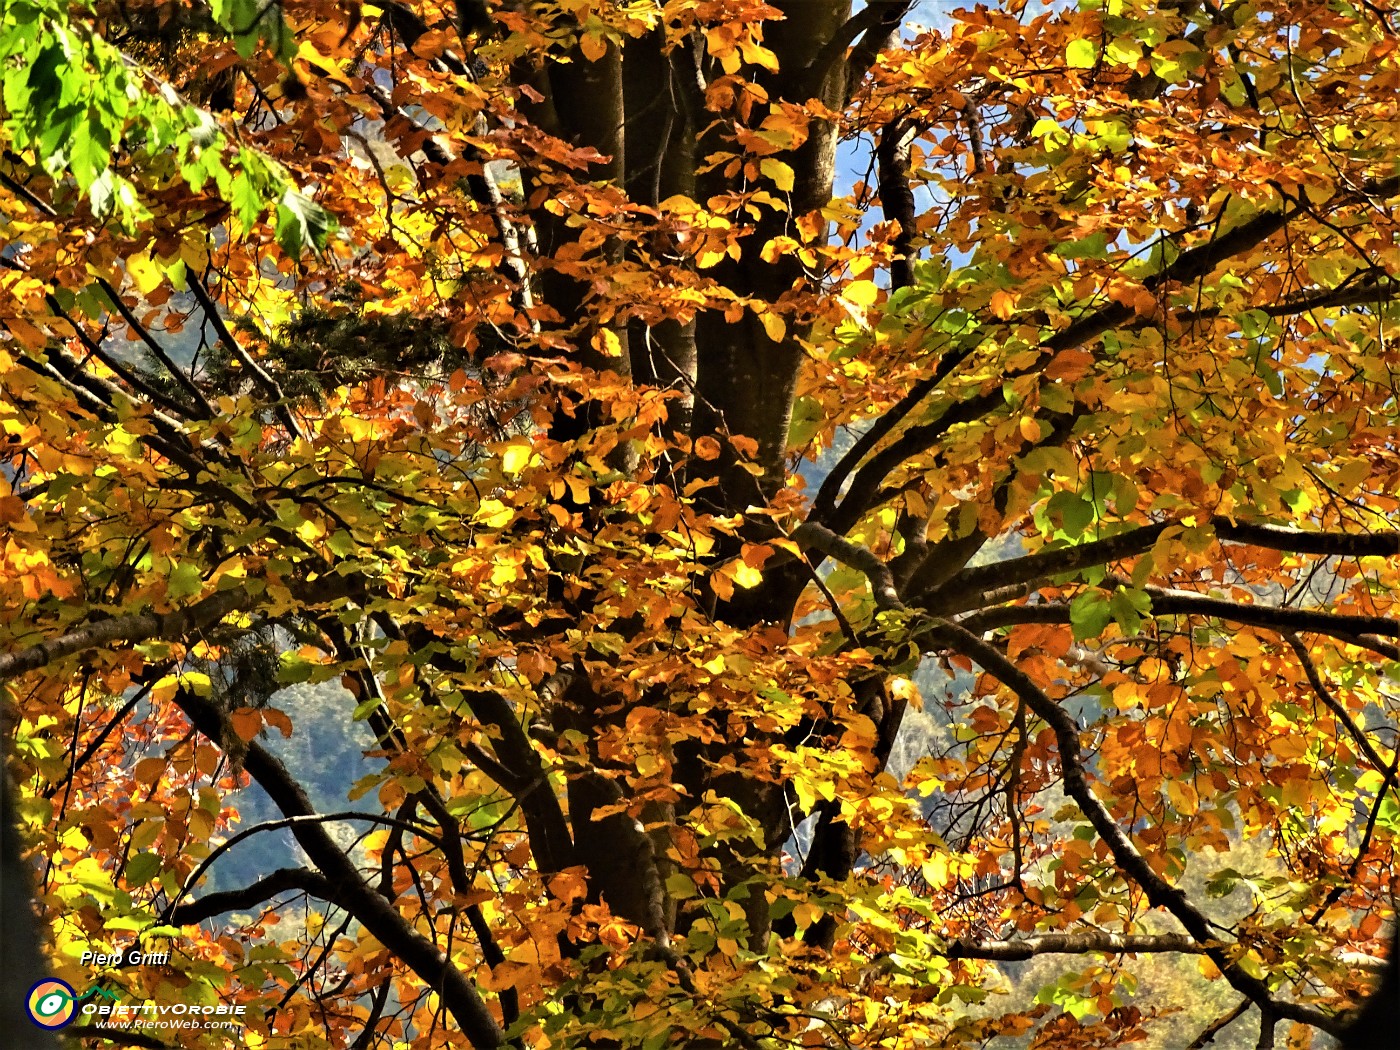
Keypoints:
pixel 21 956
pixel 643 111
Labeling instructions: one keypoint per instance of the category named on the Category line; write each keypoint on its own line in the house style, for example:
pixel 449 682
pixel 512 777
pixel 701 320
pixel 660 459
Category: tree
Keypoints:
pixel 524 370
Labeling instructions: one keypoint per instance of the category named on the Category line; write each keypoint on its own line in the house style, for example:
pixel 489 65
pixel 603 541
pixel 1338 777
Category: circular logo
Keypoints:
pixel 51 1004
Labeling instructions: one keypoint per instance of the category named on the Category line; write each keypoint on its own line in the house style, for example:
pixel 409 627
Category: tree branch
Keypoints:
pixel 959 593
pixel 378 915
pixel 1081 943
pixel 260 375
pixel 814 536
pixel 1371 291
pixel 1217 1026
pixel 1299 541
pixel 133 627
pixel 1126 856
pixel 481 185
pixel 897 198
pixel 824 504
pixel 126 375
pixel 263 890
pixel 286 822
pixel 1178 604
pixel 171 626
pixel 1357 734
pixel 867 480
pixel 875 25
pixel 1173 602
pixel 1189 265
pixel 168 363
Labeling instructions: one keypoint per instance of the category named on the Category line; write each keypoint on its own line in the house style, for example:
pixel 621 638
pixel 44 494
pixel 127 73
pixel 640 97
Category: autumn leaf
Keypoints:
pixel 700 525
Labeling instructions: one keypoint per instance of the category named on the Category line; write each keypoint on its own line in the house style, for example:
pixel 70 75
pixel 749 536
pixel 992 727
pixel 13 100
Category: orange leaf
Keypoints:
pixel 247 722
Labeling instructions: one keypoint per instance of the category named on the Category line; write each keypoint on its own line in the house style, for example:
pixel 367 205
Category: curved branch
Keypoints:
pixel 872 29
pixel 1176 602
pixel 234 347
pixel 1191 264
pixel 1299 541
pixel 866 482
pixel 167 916
pixel 259 892
pixel 1217 1026
pixel 811 535
pixel 521 770
pixel 168 363
pixel 1357 734
pixel 125 374
pixel 824 504
pixel 379 916
pixel 1372 291
pixel 1126 856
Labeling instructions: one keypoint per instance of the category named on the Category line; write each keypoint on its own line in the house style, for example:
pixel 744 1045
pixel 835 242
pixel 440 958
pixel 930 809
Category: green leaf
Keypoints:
pixel 341 543
pixel 184 580
pixel 1094 246
pixel 1081 54
pixel 89 151
pixel 142 868
pixel 680 886
pixel 1089 614
pixel 806 419
pixel 302 223
pixel 293 668
pixel 1074 513
pixel 1128 607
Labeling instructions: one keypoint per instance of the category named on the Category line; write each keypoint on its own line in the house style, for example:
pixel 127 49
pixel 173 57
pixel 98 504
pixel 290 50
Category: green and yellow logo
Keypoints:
pixel 53 1004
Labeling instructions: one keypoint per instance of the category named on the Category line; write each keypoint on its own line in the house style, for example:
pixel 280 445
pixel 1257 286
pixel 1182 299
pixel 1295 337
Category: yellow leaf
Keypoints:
pixel 780 173
pixel 747 576
pixel 772 251
pixel 516 456
pixel 862 293
pixel 902 688
pixel 165 689
pixel 324 65
pixel 1003 304
pixel 607 343
pixel 145 274
pixel 774 325
pixel 494 514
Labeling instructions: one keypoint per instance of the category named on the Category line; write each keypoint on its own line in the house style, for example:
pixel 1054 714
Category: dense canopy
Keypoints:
pixel 704 523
